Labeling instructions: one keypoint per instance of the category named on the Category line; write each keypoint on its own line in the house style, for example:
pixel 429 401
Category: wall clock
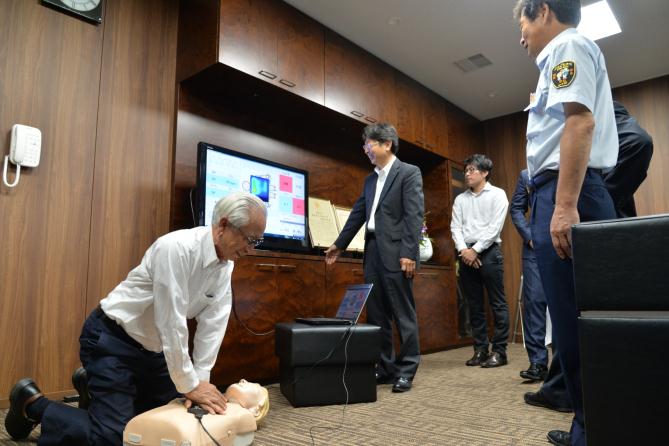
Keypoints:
pixel 88 9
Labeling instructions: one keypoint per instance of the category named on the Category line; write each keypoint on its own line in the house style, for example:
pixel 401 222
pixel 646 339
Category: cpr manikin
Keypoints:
pixel 173 425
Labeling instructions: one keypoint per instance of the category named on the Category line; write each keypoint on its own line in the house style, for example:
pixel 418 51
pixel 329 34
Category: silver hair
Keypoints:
pixel 237 207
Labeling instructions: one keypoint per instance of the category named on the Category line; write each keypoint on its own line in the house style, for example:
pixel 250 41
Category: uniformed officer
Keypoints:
pixel 565 157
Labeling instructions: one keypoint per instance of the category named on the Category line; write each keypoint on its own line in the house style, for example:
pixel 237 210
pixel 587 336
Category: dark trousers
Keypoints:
pixel 554 387
pixel 124 380
pixel 636 151
pixel 534 311
pixel 491 275
pixel 557 276
pixel 391 300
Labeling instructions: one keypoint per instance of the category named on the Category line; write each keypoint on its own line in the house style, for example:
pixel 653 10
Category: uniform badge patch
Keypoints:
pixel 563 74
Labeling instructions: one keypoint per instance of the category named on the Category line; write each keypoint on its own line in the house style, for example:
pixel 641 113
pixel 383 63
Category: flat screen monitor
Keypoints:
pixel 222 171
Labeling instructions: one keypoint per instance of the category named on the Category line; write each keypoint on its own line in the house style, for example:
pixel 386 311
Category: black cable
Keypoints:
pixel 234 311
pixel 343 380
pixel 192 210
pixel 199 413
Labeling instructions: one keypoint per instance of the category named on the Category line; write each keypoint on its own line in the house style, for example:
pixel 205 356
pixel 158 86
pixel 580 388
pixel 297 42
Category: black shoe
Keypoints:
pixel 17 423
pixel 536 372
pixel 479 357
pixel 402 385
pixel 559 438
pixel 384 379
pixel 540 400
pixel 494 360
pixel 80 383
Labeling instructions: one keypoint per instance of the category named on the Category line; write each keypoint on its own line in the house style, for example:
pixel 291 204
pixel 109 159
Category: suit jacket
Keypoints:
pixel 520 203
pixel 398 218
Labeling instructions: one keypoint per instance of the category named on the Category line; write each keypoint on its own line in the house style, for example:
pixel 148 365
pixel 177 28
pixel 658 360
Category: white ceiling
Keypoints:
pixel 432 34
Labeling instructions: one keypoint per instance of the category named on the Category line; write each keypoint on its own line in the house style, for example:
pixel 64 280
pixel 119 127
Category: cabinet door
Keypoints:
pixel 409 109
pixel 246 41
pixel 435 127
pixel 337 278
pixel 435 308
pixel 266 291
pixel 356 83
pixel 300 53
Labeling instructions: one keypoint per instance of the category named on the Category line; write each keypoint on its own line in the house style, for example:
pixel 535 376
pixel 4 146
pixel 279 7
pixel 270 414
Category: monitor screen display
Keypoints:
pixel 284 189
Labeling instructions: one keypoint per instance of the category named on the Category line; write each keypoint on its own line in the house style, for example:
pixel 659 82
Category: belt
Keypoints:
pixel 547 176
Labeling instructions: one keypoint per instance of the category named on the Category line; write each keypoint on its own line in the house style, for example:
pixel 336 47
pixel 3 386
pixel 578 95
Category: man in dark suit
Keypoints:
pixel 534 300
pixel 391 208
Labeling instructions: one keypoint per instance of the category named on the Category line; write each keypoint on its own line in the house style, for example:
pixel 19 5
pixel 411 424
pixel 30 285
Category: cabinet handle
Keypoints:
pixel 265 267
pixel 356 272
pixel 370 119
pixel 287 83
pixel 357 113
pixel 288 268
pixel 267 74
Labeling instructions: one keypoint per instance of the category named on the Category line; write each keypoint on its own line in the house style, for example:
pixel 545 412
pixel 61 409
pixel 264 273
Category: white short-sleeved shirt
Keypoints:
pixel 572 69
pixel 180 278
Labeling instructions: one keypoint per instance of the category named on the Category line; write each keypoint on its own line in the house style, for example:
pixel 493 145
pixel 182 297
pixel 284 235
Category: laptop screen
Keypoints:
pixel 353 301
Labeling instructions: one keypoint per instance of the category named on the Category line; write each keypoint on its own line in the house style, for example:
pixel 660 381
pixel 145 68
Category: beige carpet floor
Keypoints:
pixel 450 404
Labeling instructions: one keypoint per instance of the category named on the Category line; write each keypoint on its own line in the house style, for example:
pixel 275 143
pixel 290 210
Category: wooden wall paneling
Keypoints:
pixel 358 84
pixel 648 102
pixel 436 193
pixel 266 291
pixel 50 71
pixel 465 134
pixel 135 138
pixel 300 48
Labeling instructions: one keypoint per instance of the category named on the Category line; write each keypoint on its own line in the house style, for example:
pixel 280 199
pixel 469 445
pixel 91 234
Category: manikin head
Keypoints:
pixel 250 396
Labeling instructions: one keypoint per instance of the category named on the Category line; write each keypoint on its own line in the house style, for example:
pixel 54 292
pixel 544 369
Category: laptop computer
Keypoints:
pixel 349 308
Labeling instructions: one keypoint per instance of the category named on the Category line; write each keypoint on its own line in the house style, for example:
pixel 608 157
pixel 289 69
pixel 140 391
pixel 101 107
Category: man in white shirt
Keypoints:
pixel 134 346
pixel 476 225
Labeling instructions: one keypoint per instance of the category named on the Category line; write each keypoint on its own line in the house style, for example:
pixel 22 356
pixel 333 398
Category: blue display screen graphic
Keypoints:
pixel 260 188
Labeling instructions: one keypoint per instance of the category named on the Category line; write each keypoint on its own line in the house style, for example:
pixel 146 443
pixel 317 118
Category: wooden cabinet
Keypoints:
pixel 357 84
pixel 267 39
pixel 266 290
pixel 435 128
pixel 436 308
pixel 421 115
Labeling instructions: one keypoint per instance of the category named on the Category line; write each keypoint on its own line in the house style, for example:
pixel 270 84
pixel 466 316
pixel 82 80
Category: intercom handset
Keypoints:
pixel 25 150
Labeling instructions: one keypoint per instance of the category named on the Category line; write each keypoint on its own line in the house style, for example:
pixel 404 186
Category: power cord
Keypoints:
pixel 192 210
pixel 241 322
pixel 349 335
pixel 199 413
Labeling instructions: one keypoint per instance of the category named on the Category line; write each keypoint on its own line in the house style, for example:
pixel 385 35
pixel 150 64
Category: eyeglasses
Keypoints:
pixel 470 170
pixel 251 241
pixel 369 145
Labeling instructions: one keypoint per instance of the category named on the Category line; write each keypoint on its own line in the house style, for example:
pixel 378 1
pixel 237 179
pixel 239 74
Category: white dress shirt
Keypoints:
pixel 380 181
pixel 179 278
pixel 478 218
pixel 588 85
